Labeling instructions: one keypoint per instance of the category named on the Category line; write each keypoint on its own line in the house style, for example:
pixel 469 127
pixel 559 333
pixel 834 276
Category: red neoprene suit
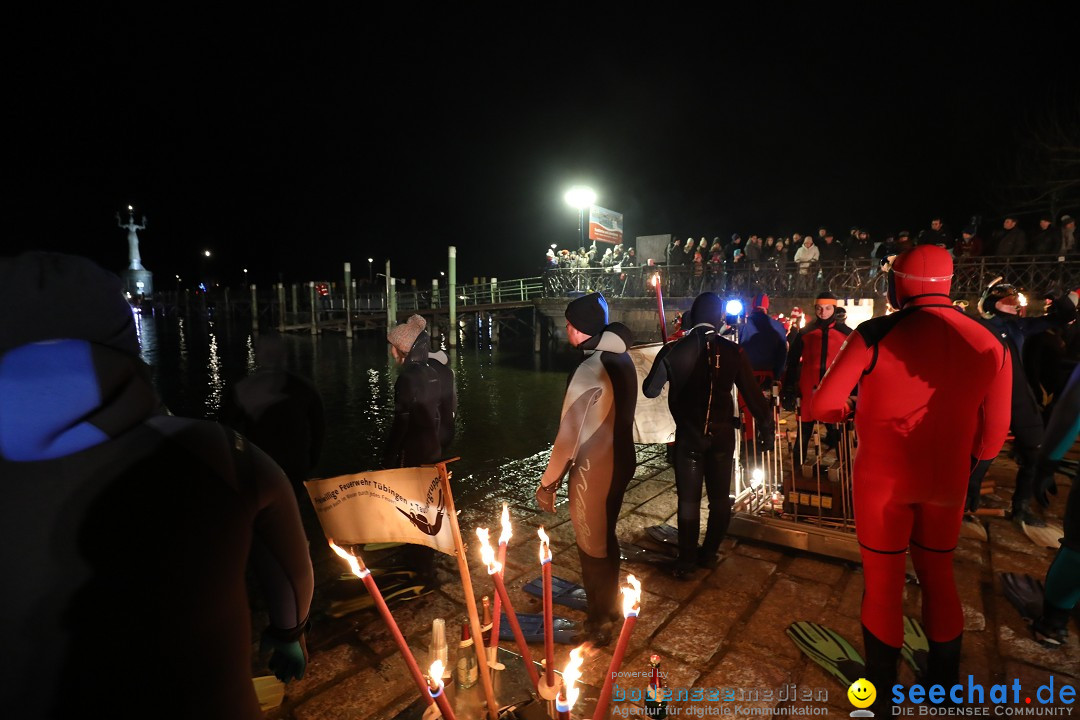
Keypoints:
pixel 934 390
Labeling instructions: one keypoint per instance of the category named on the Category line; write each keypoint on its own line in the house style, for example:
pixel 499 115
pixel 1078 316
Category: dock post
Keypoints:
pixel 348 300
pixel 281 306
pixel 451 275
pixel 254 309
pixel 314 312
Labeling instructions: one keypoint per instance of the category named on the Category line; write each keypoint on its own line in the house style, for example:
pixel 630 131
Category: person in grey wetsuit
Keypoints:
pixel 595 446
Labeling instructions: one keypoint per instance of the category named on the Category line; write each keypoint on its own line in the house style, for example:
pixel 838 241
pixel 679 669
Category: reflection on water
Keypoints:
pixel 508 407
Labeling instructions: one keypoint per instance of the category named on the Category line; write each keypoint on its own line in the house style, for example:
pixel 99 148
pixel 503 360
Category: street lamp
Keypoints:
pixel 245 277
pixel 580 197
pixel 206 253
pixel 370 277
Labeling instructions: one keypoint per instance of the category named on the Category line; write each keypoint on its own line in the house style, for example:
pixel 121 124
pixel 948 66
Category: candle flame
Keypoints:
pixel 631 602
pixel 655 279
pixel 487 554
pixel 506 533
pixel 571 674
pixel 545 545
pixel 1023 299
pixel 354 562
pixel 435 675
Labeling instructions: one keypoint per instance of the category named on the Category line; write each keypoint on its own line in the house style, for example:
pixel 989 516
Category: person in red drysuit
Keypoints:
pixel 934 395
pixel 810 354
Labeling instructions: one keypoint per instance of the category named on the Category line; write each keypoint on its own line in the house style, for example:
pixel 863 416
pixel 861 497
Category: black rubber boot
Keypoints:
pixel 943 665
pixel 881 662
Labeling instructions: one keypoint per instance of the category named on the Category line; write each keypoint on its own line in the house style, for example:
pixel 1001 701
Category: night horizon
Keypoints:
pixel 294 144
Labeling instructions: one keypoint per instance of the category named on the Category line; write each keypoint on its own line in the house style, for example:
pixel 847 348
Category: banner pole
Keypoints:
pixel 470 600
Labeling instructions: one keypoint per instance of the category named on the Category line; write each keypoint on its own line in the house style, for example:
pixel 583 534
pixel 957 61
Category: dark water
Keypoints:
pixel 508 402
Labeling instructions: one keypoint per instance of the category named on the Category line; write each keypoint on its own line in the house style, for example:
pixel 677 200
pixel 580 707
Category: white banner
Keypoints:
pixel 401 505
pixel 652 419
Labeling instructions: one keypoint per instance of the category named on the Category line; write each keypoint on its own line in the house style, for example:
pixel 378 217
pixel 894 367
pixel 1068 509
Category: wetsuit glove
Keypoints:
pixel 545 498
pixel 288 659
pixel 974 493
pixel 1044 481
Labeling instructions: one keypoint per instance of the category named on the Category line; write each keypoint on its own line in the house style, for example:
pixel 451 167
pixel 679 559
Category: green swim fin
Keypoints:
pixel 828 649
pixel 1025 593
pixel 916 648
pixel 392 595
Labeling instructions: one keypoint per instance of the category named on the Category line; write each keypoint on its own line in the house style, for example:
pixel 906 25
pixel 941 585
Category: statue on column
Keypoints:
pixel 134 259
pixel 138 281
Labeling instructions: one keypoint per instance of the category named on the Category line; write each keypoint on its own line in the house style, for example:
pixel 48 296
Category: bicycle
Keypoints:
pixel 851 283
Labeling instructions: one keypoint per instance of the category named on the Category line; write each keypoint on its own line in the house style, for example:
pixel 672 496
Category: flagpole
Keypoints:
pixel 466 586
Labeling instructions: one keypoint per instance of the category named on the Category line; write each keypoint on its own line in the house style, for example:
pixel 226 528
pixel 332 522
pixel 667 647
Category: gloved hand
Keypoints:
pixel 787 398
pixel 766 437
pixel 974 493
pixel 288 658
pixel 545 498
pixel 1044 481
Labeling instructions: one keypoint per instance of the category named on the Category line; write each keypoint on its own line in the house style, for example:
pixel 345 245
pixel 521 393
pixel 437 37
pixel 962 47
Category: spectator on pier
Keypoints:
pixel 279 410
pixel 860 247
pixel 1046 240
pixel 126 531
pixel 969 245
pixel 595 448
pixel 1011 240
pixel 937 235
pixel 830 251
pixel 806 256
pixel 1067 245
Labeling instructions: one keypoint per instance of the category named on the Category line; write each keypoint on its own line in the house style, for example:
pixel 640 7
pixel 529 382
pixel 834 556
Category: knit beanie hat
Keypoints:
pixel 404 335
pixel 51 296
pixel 588 314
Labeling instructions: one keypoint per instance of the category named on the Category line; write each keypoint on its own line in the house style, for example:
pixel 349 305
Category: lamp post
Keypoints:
pixel 245 277
pixel 370 277
pixel 580 197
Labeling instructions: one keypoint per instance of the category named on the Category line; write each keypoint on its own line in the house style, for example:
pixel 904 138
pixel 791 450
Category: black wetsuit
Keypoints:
pixel 126 536
pixel 702 367
pixel 595 445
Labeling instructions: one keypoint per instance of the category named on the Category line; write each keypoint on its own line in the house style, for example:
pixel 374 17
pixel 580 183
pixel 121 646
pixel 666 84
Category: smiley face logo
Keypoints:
pixel 862 693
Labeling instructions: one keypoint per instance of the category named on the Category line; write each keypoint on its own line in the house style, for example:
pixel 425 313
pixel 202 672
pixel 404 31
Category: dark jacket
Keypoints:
pixel 425 404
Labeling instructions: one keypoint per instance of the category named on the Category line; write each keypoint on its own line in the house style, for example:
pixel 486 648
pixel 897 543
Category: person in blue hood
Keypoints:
pixel 127 532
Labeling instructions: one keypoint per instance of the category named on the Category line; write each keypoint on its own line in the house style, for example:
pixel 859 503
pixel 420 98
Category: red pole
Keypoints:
pixel 616 663
pixel 519 636
pixel 549 632
pixel 660 306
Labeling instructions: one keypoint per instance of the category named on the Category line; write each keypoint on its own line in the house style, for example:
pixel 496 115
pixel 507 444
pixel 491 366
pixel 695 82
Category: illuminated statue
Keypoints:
pixel 134 259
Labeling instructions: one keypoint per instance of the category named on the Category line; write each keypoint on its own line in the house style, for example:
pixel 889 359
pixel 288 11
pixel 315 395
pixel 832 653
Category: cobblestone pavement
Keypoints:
pixel 724 628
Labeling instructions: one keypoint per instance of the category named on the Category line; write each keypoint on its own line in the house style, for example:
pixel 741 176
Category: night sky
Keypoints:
pixel 289 139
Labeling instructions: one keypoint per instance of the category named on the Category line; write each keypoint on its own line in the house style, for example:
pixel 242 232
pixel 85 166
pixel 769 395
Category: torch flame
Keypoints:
pixel 435 675
pixel 354 562
pixel 571 674
pixel 545 547
pixel 487 554
pixel 1023 299
pixel 504 538
pixel 631 602
pixel 655 279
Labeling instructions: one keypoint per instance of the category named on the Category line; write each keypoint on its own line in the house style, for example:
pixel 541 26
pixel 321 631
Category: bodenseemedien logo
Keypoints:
pixel 862 694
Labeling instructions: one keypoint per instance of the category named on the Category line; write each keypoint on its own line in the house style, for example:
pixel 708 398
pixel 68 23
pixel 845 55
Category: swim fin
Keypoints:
pixel 636 554
pixel 392 594
pixel 563 592
pixel 1025 593
pixel 916 648
pixel 664 534
pixel 1047 537
pixel 532 627
pixel 828 649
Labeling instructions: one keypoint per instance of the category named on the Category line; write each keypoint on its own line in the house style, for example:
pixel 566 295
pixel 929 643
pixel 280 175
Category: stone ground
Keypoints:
pixel 724 628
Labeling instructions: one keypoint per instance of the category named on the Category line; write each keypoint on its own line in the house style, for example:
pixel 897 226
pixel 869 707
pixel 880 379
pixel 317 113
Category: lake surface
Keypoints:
pixel 508 402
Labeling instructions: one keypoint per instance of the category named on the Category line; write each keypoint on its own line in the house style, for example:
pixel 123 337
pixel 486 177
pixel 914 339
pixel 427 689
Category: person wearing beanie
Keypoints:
pixel 425 401
pixel 702 367
pixel 1000 308
pixel 1069 244
pixel 280 410
pixel 1045 241
pixel 810 354
pixel 927 409
pixel 969 245
pixel 595 449
pixel 127 532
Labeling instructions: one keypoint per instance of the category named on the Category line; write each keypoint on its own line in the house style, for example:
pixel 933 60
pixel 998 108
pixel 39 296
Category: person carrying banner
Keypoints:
pixel 425 404
pixel 595 447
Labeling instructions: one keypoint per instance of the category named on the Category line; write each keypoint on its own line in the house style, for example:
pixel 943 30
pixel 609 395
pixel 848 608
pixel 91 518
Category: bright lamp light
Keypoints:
pixel 580 197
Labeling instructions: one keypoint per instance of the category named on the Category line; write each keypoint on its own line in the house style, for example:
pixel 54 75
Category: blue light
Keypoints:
pixel 733 307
